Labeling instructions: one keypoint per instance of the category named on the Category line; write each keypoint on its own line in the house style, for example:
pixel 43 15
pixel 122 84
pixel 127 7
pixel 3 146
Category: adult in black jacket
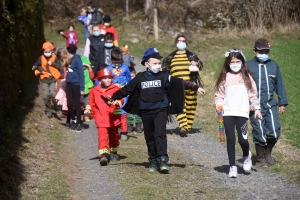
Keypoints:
pixel 153 95
pixel 95 14
pixel 185 64
pixel 95 48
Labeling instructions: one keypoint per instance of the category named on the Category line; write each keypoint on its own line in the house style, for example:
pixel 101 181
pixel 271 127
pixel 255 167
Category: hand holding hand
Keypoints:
pixel 257 114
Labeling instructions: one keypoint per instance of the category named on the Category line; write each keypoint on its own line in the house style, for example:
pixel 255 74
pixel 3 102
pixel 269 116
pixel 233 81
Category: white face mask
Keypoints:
pixel 235 67
pixel 155 68
pixel 48 54
pixel 106 24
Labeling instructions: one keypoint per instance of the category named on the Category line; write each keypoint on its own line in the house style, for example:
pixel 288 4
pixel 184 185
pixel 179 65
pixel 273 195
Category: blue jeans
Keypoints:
pixel 86 32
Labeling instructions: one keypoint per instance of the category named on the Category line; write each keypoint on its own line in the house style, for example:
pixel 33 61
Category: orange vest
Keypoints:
pixel 54 71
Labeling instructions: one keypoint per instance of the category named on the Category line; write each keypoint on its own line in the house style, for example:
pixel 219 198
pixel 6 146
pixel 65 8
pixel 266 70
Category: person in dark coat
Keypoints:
pixel 153 95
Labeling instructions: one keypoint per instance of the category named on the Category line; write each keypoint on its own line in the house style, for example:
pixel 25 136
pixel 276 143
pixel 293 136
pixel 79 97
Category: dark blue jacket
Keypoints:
pixel 268 79
pixel 75 74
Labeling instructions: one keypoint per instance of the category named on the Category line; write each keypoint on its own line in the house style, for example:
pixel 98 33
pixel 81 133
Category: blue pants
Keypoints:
pixel 86 32
pixel 266 128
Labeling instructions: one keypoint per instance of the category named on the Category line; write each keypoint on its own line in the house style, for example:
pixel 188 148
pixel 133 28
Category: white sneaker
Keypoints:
pixel 247 163
pixel 232 172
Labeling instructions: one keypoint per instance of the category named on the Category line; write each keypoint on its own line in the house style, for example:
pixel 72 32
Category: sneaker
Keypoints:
pixel 73 126
pixel 183 132
pixel 68 125
pixel 114 157
pixel 153 165
pixel 104 160
pixel 163 164
pixel 79 128
pixel 130 128
pixel 59 114
pixel 139 128
pixel 86 118
pixel 247 163
pixel 124 138
pixel 232 172
pixel 49 114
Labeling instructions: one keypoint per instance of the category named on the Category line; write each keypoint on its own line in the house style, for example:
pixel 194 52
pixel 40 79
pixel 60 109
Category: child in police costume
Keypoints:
pixel 153 94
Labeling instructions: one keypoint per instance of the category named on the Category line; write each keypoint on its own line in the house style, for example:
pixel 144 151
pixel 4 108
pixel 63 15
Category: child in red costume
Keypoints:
pixel 107 116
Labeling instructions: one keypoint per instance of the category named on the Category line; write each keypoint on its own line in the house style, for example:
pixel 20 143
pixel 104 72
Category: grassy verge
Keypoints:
pixel 48 157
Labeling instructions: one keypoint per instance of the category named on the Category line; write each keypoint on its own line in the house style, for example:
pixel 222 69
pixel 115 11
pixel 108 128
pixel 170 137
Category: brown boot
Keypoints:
pixel 260 156
pixel 269 147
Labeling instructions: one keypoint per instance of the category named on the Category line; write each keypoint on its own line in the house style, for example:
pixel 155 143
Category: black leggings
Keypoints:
pixel 230 122
pixel 73 101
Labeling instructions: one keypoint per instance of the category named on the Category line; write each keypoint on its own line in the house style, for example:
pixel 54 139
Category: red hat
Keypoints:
pixel 104 72
pixel 48 45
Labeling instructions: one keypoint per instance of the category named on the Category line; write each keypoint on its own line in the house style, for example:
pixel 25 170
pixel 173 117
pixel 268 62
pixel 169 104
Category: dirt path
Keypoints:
pixel 199 148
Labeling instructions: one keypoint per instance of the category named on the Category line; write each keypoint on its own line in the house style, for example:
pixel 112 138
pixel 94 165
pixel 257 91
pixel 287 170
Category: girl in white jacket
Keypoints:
pixel 235 88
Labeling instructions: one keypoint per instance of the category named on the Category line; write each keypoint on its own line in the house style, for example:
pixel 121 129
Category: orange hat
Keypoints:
pixel 124 49
pixel 104 72
pixel 48 45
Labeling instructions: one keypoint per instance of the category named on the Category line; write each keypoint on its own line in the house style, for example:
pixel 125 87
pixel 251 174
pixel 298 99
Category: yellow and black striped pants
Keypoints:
pixel 186 119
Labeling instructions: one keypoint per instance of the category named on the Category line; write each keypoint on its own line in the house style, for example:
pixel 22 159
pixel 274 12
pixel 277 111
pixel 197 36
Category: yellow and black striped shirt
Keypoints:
pixel 179 67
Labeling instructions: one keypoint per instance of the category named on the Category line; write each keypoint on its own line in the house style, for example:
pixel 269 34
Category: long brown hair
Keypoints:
pixel 62 54
pixel 235 53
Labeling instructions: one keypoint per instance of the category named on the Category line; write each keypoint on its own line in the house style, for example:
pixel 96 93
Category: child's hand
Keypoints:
pixel 257 114
pixel 49 62
pixel 61 33
pixel 251 108
pixel 89 66
pixel 219 108
pixel 281 109
pixel 87 111
pixel 201 91
pixel 81 93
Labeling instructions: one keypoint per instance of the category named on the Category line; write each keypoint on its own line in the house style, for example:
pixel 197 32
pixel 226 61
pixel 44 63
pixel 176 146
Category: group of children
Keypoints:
pixel 118 94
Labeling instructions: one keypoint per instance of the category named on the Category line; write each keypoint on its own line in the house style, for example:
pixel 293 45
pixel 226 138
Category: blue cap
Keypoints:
pixel 150 53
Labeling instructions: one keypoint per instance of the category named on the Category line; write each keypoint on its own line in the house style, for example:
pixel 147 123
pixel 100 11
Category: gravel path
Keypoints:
pixel 200 148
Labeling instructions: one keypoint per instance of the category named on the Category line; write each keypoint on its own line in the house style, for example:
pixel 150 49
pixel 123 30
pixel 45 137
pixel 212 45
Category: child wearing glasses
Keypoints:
pixel 121 74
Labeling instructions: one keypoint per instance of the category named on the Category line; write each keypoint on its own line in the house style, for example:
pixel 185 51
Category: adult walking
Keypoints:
pixel 181 63
pixel 94 14
pixel 95 48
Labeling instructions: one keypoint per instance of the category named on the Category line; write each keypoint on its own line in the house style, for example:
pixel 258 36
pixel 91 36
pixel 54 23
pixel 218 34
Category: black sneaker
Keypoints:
pixel 79 128
pixel 138 128
pixel 114 157
pixel 104 160
pixel 73 126
pixel 163 164
pixel 68 125
pixel 49 114
pixel 153 165
pixel 130 128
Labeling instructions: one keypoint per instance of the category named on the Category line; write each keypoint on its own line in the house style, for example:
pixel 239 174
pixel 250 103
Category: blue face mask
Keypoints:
pixel 263 57
pixel 97 33
pixel 181 45
pixel 91 11
pixel 109 45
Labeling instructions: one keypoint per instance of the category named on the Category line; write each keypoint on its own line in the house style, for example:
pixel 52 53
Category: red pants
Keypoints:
pixel 108 140
pixel 124 128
